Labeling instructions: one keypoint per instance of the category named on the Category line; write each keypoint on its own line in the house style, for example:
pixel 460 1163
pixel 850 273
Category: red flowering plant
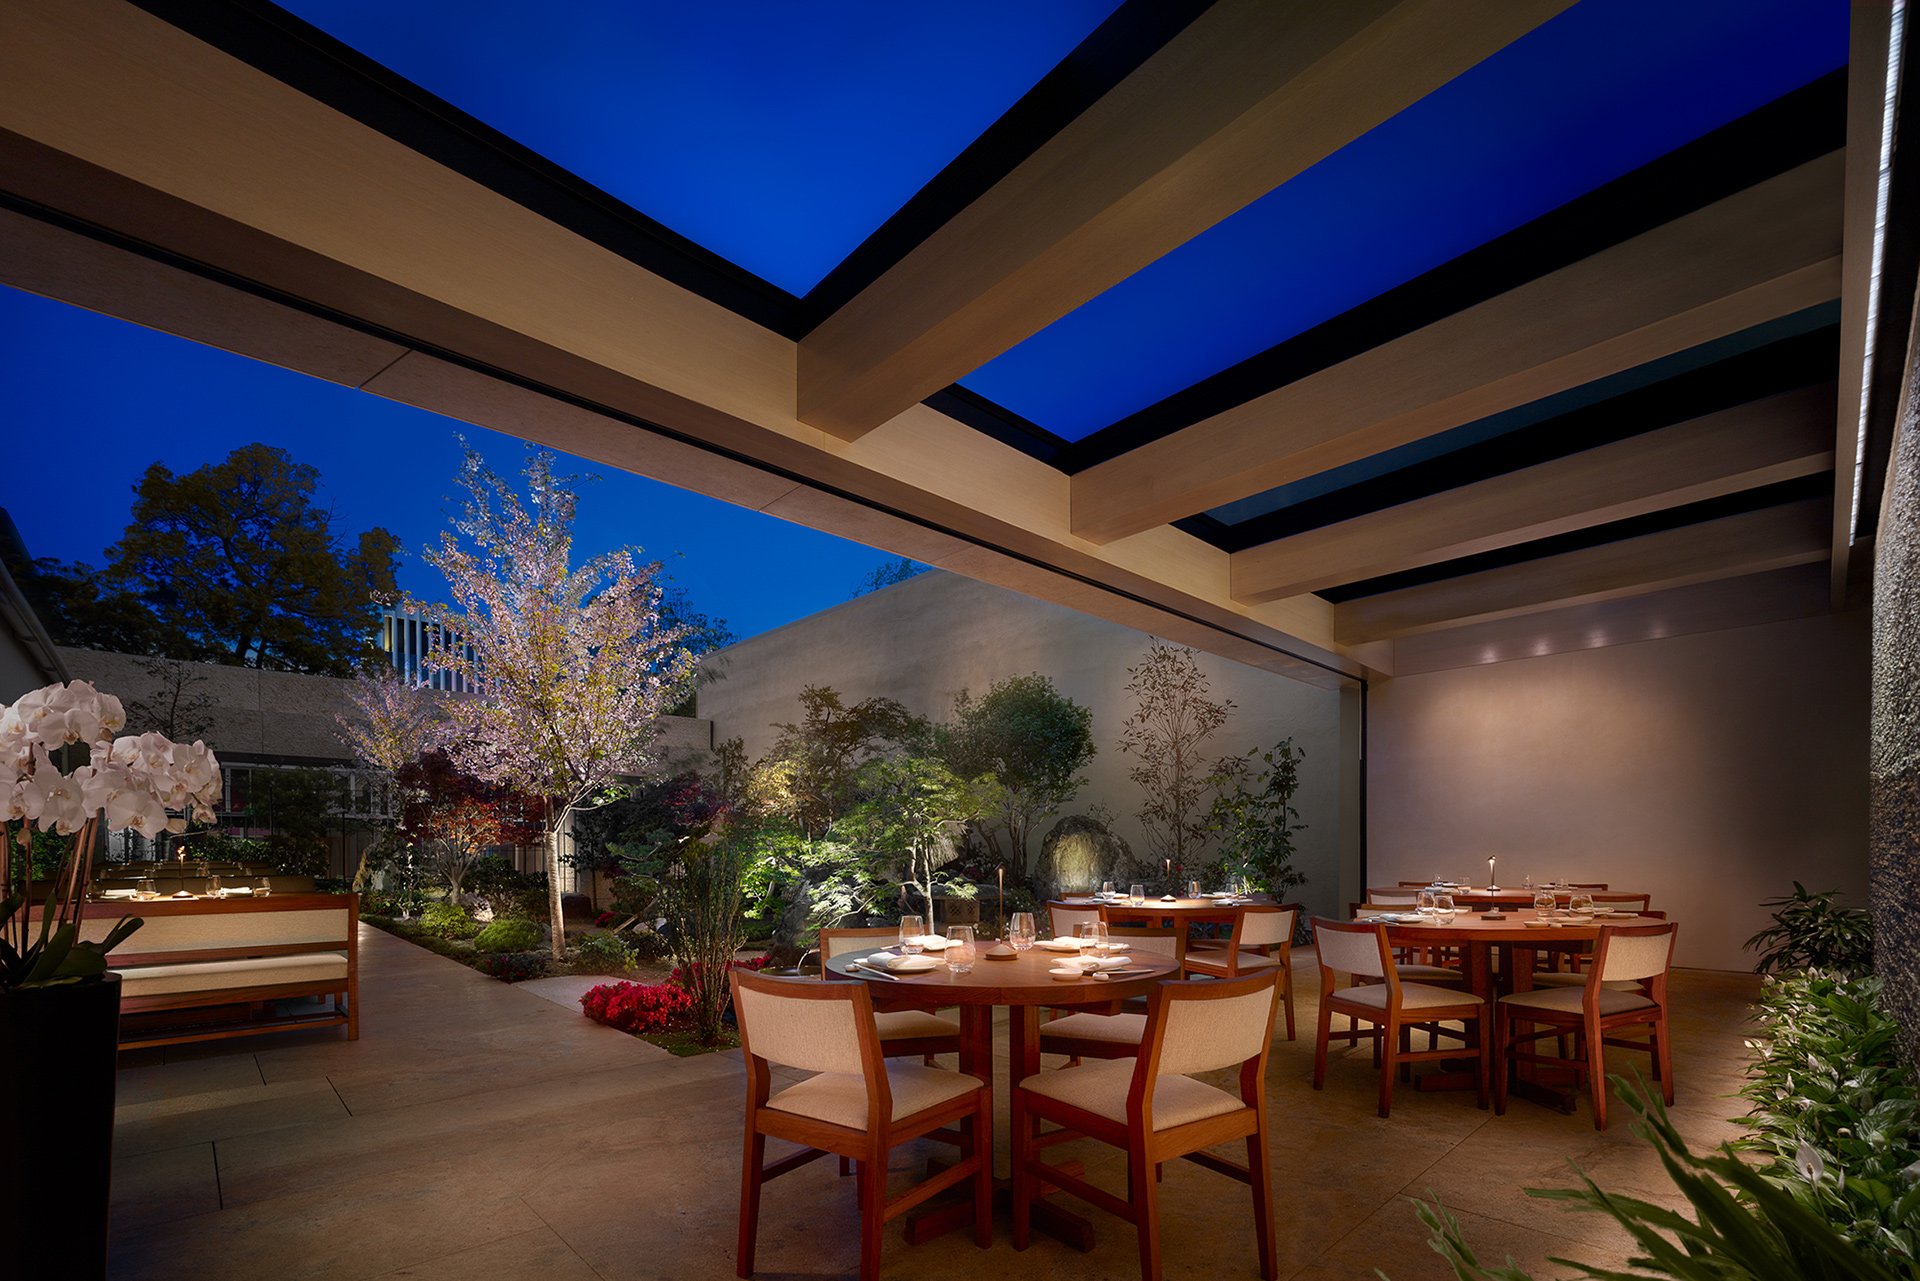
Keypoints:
pixel 638 1007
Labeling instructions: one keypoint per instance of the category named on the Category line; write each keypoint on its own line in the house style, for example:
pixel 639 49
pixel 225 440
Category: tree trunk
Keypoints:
pixel 559 923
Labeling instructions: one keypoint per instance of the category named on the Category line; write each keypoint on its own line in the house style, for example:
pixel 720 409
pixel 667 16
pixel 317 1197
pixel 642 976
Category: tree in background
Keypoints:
pixel 573 666
pixel 912 811
pixel 1254 817
pixel 299 808
pixel 457 818
pixel 394 720
pixel 808 776
pixel 1032 741
pixel 80 608
pixel 177 705
pixel 243 567
pixel 1167 734
pixel 894 571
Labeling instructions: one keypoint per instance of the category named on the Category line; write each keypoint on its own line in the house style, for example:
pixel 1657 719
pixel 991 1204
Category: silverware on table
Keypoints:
pixel 873 969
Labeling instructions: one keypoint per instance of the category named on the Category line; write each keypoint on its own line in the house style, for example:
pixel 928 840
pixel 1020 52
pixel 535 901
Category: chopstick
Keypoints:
pixel 874 969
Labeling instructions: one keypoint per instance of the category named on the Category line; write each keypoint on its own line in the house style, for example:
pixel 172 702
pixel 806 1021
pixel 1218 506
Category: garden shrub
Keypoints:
pixel 1836 1113
pixel 512 967
pixel 513 934
pixel 449 921
pixel 638 1007
pixel 508 892
pixel 648 945
pixel 1812 932
pixel 603 952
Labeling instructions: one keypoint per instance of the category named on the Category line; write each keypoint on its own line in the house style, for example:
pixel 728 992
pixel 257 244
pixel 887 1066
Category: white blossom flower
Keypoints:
pixel 1812 1166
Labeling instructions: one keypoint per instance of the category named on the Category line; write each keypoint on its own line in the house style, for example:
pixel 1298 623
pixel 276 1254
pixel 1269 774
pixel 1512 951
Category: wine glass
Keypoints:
pixel 960 952
pixel 1526 882
pixel 1136 893
pixel 1193 889
pixel 1443 909
pixel 1093 938
pixel 1543 903
pixel 213 886
pixel 911 929
pixel 1106 889
pixel 1022 932
pixel 1423 902
pixel 147 888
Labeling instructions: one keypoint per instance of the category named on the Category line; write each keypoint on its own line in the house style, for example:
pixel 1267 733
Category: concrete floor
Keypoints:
pixel 479 1131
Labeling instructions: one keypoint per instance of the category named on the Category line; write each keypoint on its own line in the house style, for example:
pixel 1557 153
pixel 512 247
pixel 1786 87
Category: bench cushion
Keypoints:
pixel 213 976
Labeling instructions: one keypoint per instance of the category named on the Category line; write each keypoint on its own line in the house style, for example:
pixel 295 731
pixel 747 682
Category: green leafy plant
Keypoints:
pixel 1744 1225
pixel 1027 742
pixel 512 967
pixel 1254 816
pixel 514 934
pixel 603 952
pixel 449 921
pixel 1813 932
pixel 703 894
pixel 1836 1113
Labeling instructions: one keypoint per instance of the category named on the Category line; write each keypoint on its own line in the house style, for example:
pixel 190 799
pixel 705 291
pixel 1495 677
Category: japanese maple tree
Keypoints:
pixel 456 818
pixel 573 666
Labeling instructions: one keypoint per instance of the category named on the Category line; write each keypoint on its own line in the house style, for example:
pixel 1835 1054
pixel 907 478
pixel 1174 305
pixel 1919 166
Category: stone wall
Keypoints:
pixel 1894 768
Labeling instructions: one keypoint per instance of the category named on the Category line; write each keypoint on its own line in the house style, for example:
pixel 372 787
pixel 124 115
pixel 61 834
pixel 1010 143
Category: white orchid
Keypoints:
pixel 136 779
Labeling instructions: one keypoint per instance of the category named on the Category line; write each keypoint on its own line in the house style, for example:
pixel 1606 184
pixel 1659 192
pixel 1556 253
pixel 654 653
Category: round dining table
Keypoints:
pixel 1479 899
pixel 1024 985
pixel 1166 909
pixel 1520 933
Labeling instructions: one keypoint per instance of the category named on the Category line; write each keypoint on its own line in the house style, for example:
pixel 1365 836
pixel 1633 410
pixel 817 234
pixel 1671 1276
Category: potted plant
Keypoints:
pixel 59 1006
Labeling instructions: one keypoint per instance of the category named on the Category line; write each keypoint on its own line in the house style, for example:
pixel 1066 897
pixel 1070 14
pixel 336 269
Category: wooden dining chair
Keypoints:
pixel 1631 964
pixel 1088 1034
pixel 1151 1108
pixel 857 1105
pixel 902 1032
pixel 1359 949
pixel 1262 939
pixel 1062 918
pixel 1408 968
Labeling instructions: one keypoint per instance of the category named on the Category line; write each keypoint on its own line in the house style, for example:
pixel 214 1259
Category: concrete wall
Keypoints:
pixel 924 640
pixel 270 715
pixel 1711 770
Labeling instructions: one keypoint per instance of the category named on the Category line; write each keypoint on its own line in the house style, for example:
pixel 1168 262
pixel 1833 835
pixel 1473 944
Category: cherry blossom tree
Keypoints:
pixel 572 666
pixel 393 721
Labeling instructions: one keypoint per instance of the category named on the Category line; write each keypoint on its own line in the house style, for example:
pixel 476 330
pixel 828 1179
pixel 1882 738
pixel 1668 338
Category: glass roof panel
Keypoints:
pixel 777 135
pixel 1604 88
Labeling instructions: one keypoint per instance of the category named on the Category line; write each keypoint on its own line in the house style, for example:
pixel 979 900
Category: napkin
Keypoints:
pixel 1061 945
pixel 1090 963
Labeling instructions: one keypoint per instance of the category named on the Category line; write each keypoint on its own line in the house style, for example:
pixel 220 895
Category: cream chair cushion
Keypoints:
pixel 1109 1029
pixel 1567 1000
pixel 1430 974
pixel 1217 960
pixel 212 976
pixel 1638 956
pixel 1101 1088
pixel 1563 979
pixel 1349 952
pixel 1413 996
pixel 812 1035
pixel 902 1025
pixel 840 1098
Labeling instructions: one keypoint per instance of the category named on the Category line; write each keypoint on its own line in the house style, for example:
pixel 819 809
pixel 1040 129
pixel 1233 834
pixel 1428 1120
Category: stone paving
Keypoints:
pixel 477 1130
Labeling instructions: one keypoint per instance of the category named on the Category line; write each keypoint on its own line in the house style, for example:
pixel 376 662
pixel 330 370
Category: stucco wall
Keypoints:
pixel 1712 770
pixel 924 640
pixel 1895 760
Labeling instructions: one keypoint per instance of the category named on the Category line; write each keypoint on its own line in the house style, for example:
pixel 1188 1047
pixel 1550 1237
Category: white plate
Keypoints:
pixel 1063 976
pixel 911 964
pixel 1060 945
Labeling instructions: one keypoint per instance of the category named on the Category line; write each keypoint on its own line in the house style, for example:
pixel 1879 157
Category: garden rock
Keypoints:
pixel 1078 854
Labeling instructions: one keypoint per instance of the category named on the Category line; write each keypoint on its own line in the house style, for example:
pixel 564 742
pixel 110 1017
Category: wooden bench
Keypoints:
pixel 241 951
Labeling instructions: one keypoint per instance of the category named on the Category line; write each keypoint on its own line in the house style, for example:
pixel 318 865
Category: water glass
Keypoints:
pixel 959 954
pixel 213 887
pixel 1543 902
pixel 1022 932
pixel 1581 903
pixel 146 887
pixel 1423 902
pixel 1136 893
pixel 1526 882
pixel 911 928
pixel 1443 909
pixel 1093 938
pixel 1106 889
pixel 264 888
pixel 1193 889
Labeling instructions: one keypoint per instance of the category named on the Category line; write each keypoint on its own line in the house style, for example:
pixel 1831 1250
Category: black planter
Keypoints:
pixel 58 1051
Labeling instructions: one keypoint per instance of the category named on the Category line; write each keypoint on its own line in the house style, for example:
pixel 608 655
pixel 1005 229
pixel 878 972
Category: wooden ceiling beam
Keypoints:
pixel 1773 538
pixel 1756 256
pixel 1760 443
pixel 1251 94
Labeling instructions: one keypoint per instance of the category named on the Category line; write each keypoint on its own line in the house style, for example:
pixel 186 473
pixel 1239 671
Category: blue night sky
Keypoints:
pixel 88 393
